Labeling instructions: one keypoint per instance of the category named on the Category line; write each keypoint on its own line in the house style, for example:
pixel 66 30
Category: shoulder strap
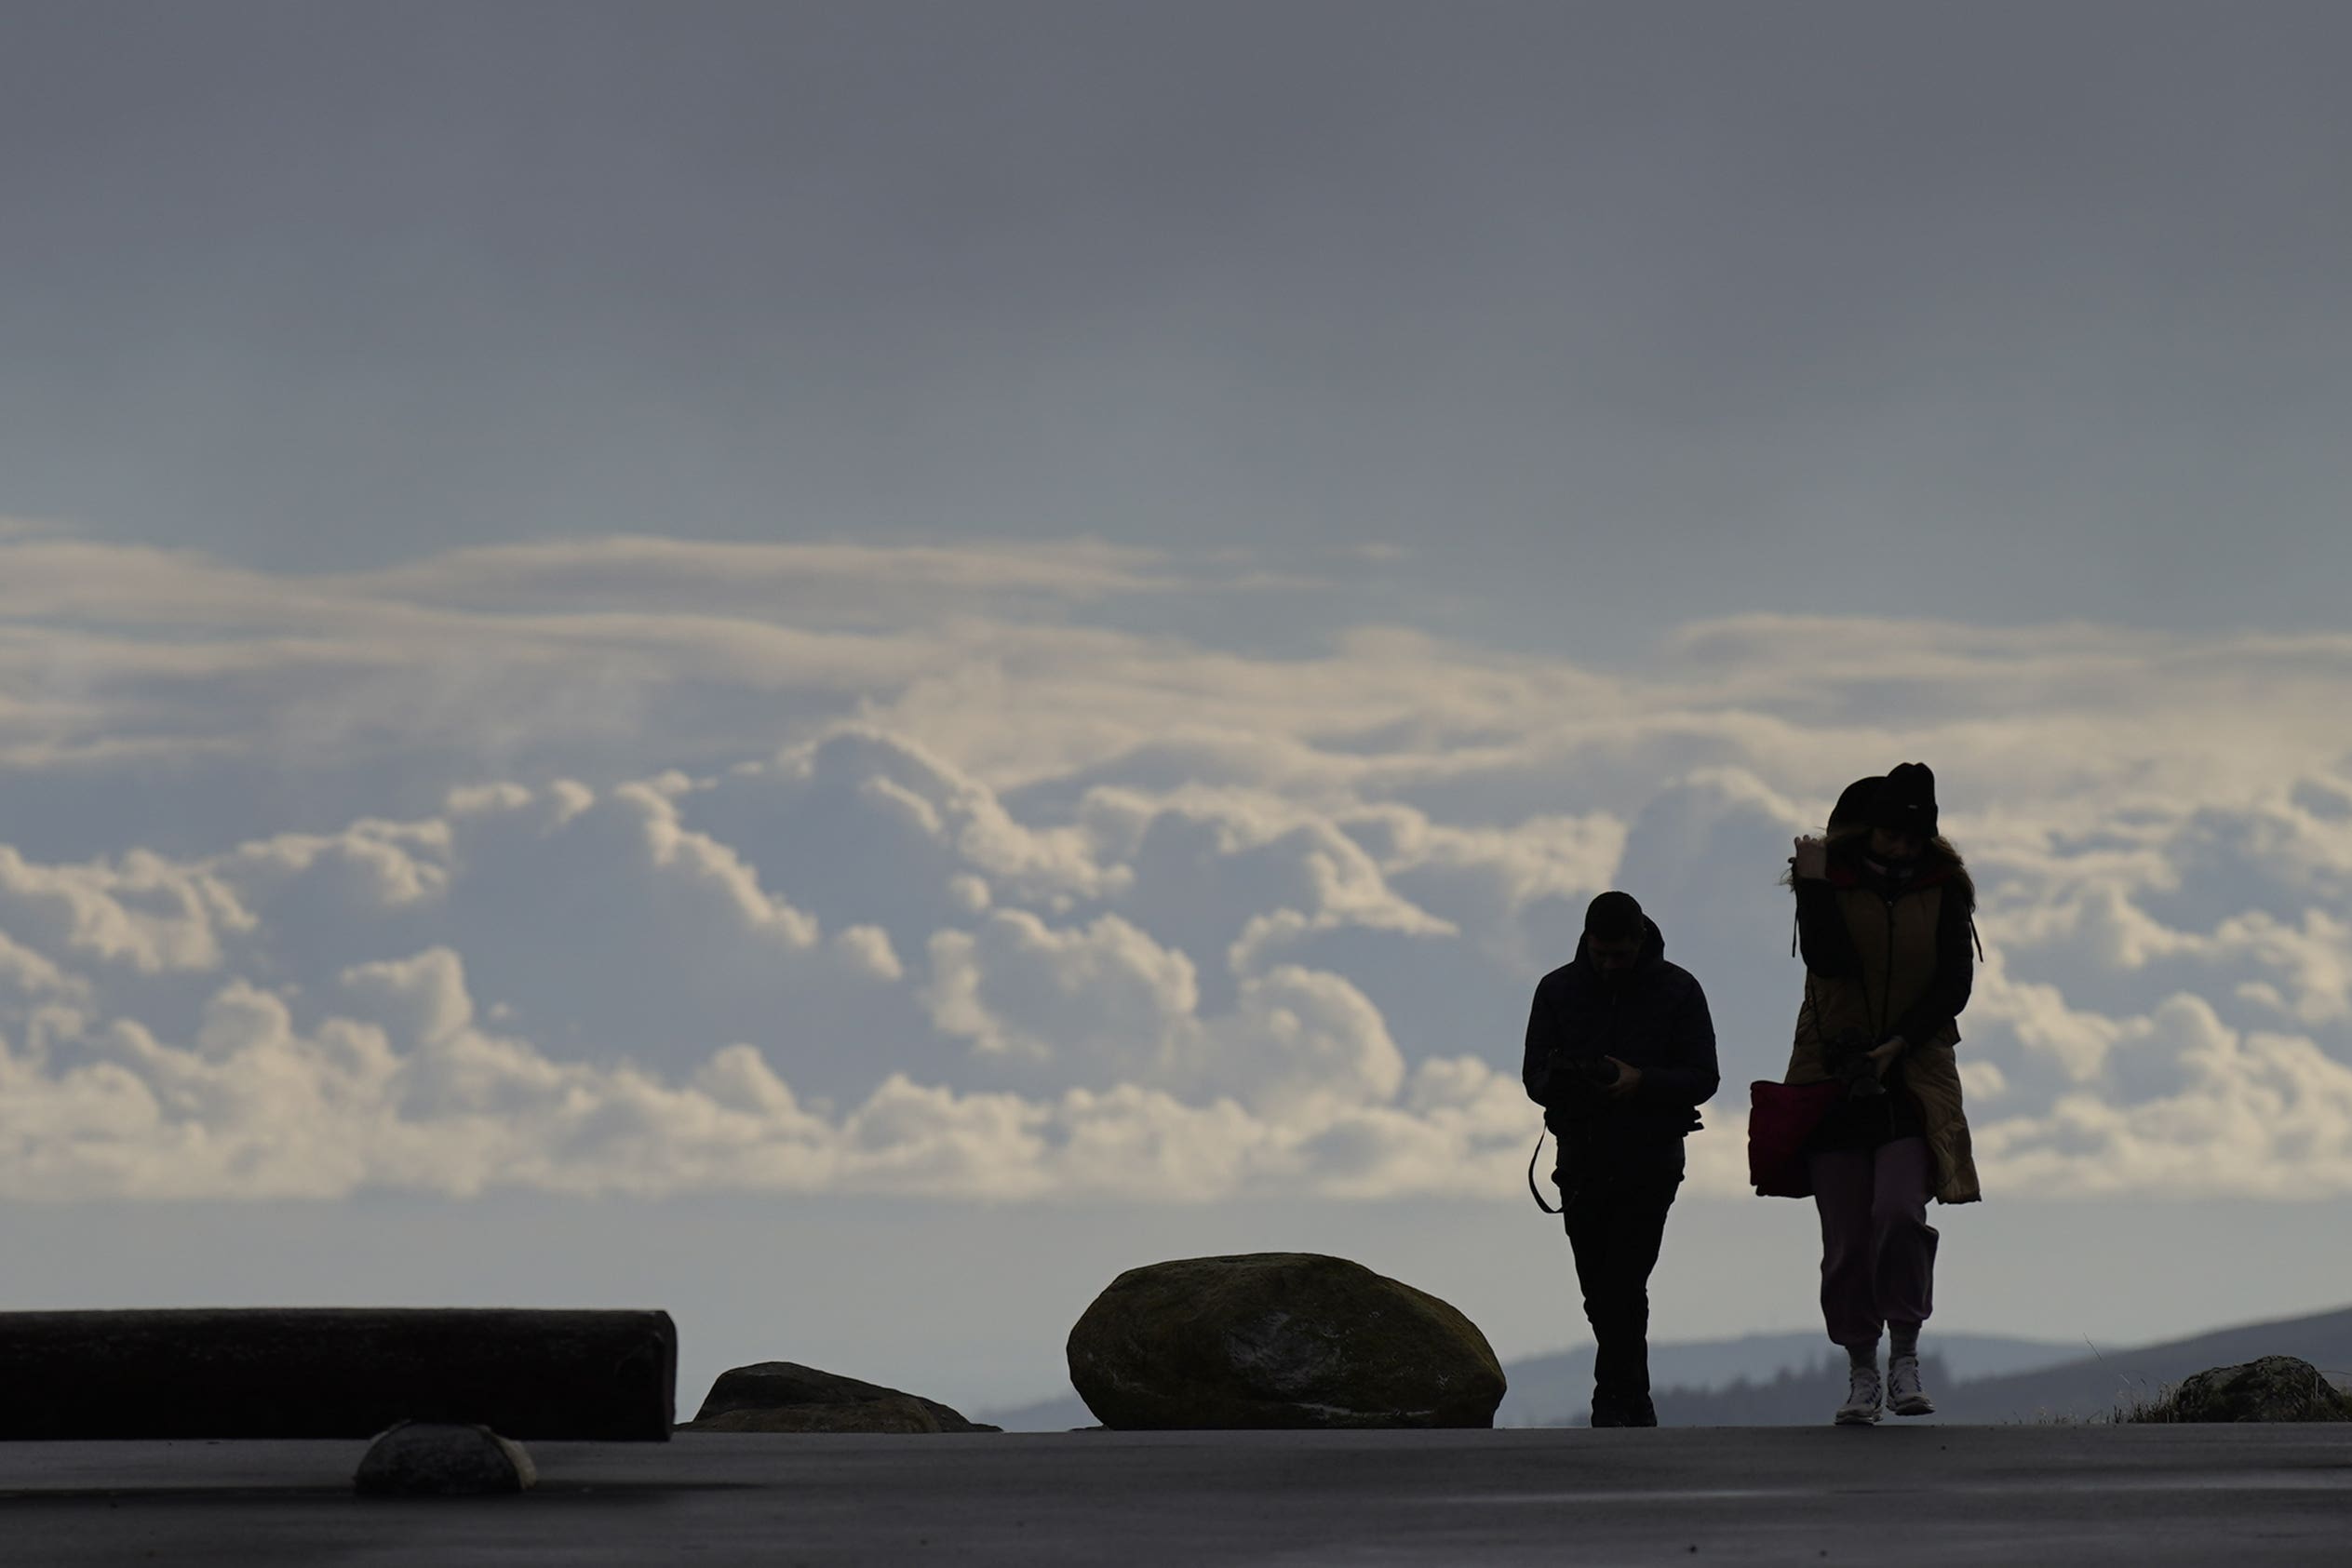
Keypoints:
pixel 1534 1191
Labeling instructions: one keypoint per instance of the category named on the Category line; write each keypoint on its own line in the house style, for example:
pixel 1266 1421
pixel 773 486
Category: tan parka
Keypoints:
pixel 1897 946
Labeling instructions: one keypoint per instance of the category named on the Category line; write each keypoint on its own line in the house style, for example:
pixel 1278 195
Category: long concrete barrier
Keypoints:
pixel 336 1373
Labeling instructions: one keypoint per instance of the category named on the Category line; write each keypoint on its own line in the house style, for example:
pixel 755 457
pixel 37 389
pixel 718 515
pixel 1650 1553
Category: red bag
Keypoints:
pixel 1781 1117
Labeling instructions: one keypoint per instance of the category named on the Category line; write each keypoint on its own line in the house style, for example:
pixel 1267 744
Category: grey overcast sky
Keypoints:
pixel 1615 315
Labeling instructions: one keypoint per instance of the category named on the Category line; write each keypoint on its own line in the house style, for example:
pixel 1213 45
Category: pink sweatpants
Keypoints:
pixel 1879 1252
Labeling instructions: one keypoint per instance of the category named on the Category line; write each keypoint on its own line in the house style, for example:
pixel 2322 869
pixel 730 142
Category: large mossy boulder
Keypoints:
pixel 2274 1388
pixel 1277 1339
pixel 787 1397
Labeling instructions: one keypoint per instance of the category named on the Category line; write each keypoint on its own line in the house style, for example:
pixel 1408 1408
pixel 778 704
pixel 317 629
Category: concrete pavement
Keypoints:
pixel 1925 1495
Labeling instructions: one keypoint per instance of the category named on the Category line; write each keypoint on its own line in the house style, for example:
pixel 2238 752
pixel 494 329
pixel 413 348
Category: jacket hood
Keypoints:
pixel 1653 946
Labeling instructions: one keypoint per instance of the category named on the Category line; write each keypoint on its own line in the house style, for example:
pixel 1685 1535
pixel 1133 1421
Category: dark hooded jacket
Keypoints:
pixel 1654 1016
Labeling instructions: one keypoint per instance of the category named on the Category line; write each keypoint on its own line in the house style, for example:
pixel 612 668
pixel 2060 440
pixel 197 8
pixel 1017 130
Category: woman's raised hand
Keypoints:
pixel 1811 858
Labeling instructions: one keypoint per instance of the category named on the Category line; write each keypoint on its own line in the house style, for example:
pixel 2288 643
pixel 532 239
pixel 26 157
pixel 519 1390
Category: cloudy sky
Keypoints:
pixel 765 658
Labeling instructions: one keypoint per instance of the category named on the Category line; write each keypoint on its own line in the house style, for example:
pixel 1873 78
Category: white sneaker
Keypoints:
pixel 1904 1396
pixel 1860 1408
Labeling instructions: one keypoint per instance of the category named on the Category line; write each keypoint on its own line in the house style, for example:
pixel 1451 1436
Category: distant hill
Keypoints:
pixel 1795 1379
pixel 1060 1414
pixel 2084 1385
pixel 1555 1390
pixel 2091 1386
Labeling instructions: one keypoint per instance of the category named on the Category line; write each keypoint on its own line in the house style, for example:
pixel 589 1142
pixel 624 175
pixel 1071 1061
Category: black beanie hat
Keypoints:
pixel 1853 806
pixel 1905 800
pixel 1613 916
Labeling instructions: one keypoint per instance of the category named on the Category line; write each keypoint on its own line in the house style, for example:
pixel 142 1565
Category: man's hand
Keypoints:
pixel 1811 858
pixel 1883 1057
pixel 1629 1078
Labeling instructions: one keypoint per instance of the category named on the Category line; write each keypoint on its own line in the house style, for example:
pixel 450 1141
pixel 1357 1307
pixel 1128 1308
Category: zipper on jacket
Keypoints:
pixel 1887 999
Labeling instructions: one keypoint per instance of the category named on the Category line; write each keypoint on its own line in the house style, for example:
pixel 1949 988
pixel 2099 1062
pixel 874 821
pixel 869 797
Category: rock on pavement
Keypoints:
pixel 787 1397
pixel 2273 1388
pixel 1279 1339
pixel 443 1459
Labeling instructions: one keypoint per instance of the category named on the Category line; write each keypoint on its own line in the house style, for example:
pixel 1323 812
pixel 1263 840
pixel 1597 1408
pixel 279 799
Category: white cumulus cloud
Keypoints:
pixel 646 866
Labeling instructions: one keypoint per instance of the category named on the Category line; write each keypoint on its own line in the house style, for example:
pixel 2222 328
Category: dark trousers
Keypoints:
pixel 1616 1224
pixel 1879 1252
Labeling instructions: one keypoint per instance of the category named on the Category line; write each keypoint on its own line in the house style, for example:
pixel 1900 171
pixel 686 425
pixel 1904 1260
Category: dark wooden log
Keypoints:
pixel 336 1373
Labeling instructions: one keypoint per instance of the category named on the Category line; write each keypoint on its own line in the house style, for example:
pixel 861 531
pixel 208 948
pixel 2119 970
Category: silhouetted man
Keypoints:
pixel 1621 1054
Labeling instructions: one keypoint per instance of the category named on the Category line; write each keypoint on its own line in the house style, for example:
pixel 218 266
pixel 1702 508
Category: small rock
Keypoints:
pixel 787 1397
pixel 2274 1388
pixel 443 1459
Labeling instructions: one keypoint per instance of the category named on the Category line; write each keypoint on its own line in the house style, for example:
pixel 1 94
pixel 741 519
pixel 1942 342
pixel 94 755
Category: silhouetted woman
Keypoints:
pixel 1885 918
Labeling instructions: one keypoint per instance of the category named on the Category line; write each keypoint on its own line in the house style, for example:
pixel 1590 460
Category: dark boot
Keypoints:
pixel 1620 1372
pixel 1634 1411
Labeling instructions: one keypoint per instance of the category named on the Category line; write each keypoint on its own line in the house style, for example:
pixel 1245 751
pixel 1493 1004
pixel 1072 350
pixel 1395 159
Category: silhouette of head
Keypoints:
pixel 1902 814
pixel 1614 931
